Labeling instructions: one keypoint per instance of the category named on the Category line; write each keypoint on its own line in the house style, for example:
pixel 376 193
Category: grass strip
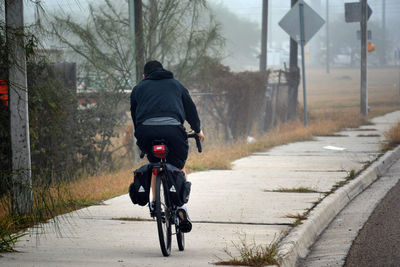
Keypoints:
pixel 299 218
pixel 294 190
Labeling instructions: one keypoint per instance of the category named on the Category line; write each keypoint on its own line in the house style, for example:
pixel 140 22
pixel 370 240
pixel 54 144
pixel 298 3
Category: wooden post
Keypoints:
pixel 20 145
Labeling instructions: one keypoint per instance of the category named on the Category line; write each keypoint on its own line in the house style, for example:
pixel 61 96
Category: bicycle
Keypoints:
pixel 166 211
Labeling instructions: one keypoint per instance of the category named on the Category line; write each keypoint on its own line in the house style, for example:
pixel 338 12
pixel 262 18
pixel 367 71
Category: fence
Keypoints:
pixel 258 111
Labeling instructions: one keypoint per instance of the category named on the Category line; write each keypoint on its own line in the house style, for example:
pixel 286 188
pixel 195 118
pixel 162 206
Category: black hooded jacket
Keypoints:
pixel 160 95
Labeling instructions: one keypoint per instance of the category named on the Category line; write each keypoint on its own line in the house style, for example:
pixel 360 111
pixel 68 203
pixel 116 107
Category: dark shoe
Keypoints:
pixel 185 225
pixel 152 208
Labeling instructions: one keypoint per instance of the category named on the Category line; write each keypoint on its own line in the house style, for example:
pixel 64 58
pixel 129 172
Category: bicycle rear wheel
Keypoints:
pixel 163 216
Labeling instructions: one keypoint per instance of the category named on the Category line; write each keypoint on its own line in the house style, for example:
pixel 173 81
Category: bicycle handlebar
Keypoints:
pixel 189 135
pixel 197 138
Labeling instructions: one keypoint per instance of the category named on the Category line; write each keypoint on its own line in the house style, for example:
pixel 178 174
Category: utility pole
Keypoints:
pixel 19 120
pixel 134 72
pixel 132 37
pixel 139 51
pixel 264 37
pixel 364 92
pixel 153 18
pixel 328 56
pixel 383 45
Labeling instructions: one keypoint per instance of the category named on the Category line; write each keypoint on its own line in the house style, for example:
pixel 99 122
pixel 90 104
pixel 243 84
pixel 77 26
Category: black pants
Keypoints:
pixel 174 136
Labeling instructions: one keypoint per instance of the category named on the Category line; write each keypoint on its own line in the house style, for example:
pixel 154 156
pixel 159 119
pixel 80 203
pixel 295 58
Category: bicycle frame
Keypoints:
pixel 166 213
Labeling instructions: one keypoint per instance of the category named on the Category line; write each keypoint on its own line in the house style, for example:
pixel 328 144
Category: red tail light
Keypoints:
pixel 4 92
pixel 160 151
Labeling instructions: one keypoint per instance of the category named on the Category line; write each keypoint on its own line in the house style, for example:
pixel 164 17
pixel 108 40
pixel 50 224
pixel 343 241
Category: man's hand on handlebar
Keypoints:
pixel 201 136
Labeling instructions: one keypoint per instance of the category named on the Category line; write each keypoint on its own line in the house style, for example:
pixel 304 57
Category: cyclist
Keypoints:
pixel 159 107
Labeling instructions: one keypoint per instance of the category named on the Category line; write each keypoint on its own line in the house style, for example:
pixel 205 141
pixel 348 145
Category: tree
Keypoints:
pixel 174 32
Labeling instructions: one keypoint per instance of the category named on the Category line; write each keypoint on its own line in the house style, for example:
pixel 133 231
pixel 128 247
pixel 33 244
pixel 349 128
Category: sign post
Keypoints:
pixel 360 12
pixel 303 68
pixel 310 23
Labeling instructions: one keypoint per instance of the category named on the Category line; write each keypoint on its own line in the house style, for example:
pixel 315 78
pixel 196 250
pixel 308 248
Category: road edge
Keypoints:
pixel 295 245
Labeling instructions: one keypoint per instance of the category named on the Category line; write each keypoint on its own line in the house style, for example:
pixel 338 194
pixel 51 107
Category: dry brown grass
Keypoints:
pixel 99 187
pixel 392 137
pixel 66 197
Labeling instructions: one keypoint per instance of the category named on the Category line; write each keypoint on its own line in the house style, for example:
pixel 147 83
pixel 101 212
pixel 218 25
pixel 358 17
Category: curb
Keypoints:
pixel 295 245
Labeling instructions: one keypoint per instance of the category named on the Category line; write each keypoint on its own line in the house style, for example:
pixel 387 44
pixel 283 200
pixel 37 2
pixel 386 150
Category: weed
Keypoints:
pixel 368 135
pixel 295 190
pixel 334 135
pixel 352 174
pixel 252 254
pixel 341 183
pixel 299 218
pixel 7 237
pixel 364 130
pixel 133 219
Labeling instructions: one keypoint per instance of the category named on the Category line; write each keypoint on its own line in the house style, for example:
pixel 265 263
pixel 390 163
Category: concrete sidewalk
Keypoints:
pixel 226 206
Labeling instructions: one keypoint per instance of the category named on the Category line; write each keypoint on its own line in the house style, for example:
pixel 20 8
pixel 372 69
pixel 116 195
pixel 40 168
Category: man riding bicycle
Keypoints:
pixel 159 107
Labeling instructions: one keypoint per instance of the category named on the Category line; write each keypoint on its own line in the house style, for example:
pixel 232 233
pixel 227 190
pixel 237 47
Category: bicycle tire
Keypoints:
pixel 162 216
pixel 180 238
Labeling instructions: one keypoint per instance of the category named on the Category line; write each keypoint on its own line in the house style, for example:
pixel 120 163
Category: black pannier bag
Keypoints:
pixel 139 190
pixel 178 187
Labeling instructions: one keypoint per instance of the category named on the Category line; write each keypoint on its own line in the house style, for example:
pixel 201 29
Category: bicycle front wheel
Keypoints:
pixel 163 216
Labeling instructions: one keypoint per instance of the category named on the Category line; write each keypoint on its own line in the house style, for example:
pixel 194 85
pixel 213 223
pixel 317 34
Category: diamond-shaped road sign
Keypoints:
pixel 352 12
pixel 290 23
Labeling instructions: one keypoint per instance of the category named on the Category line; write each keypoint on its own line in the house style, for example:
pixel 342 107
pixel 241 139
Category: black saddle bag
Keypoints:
pixel 178 187
pixel 139 190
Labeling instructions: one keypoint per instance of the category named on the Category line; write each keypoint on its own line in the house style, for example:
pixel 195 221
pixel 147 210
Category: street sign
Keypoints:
pixel 352 12
pixel 301 23
pixel 312 22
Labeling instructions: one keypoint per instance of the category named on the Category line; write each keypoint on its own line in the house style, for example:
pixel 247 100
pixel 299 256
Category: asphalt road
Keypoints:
pixel 378 242
pixel 333 245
